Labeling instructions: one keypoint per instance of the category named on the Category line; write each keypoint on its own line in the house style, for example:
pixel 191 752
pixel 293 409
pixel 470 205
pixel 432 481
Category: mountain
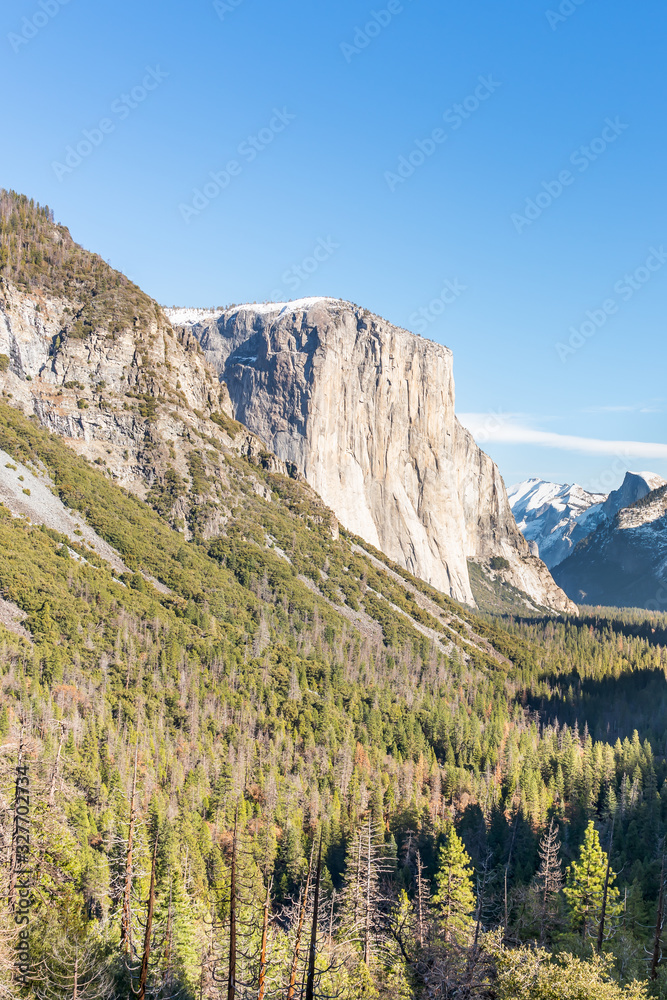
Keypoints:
pixel 605 550
pixel 554 517
pixel 365 412
pixel 623 563
pixel 635 486
pixel 237 737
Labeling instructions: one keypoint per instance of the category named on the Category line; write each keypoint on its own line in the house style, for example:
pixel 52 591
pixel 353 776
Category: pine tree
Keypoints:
pixel 585 886
pixel 455 897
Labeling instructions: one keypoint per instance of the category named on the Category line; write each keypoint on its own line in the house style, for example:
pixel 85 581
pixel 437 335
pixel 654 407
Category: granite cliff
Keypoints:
pixel 365 411
pixel 168 401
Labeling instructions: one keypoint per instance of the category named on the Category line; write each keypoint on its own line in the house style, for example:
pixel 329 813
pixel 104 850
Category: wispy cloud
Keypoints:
pixel 509 431
pixel 611 409
pixel 651 407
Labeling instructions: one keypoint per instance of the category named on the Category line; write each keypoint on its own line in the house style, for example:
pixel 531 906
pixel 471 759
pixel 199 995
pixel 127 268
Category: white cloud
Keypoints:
pixel 503 428
pixel 611 409
pixel 636 408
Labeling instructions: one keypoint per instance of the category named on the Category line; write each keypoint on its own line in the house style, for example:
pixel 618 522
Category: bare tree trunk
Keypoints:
pixel 75 991
pixel 310 985
pixel 420 899
pixel 507 868
pixel 231 980
pixel 54 775
pixel 126 917
pixel 367 914
pixel 167 949
pixel 331 916
pixel 357 883
pixel 143 975
pixel 299 931
pixel 16 831
pixel 265 935
pixel 605 892
pixel 657 944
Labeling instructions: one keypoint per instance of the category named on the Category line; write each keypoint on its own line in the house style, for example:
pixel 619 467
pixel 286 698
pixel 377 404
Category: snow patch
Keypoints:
pixel 193 317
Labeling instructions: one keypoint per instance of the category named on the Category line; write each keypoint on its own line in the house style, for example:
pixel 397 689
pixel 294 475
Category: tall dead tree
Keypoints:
pixel 549 878
pixel 56 763
pixel 659 923
pixel 126 913
pixel 364 909
pixel 291 989
pixel 233 897
pixel 312 956
pixel 148 933
pixel 605 892
pixel 18 826
pixel 263 953
pixel 422 899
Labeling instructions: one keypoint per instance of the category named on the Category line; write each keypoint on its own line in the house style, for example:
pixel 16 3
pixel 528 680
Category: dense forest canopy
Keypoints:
pixel 273 764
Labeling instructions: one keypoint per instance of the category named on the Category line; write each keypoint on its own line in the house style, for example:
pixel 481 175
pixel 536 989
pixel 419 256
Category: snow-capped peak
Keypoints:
pixel 555 516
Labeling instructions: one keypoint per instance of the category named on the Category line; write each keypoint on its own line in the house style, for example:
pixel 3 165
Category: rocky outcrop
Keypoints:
pixel 141 403
pixel 365 411
pixel 635 486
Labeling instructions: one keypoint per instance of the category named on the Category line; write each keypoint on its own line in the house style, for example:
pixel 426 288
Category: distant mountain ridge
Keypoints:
pixel 555 517
pixel 624 561
pixel 609 550
pixel 634 487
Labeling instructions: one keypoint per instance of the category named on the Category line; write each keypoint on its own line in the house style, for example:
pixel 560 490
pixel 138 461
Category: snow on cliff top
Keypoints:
pixel 190 317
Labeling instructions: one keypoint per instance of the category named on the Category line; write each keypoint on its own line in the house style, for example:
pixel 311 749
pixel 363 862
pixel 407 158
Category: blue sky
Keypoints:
pixel 490 175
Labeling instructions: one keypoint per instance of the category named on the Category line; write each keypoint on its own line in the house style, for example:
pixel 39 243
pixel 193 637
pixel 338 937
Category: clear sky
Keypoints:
pixel 491 175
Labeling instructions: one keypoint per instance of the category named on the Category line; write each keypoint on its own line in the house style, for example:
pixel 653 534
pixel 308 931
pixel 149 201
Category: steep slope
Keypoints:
pixel 555 517
pixel 635 486
pixel 365 411
pixel 277 537
pixel 624 562
pixel 97 362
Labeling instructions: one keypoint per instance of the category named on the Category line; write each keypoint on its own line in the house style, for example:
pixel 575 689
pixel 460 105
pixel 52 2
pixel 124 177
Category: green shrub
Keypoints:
pixel 499 563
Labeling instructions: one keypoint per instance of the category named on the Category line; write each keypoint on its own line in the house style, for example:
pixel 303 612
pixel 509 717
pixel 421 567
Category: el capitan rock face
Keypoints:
pixel 365 411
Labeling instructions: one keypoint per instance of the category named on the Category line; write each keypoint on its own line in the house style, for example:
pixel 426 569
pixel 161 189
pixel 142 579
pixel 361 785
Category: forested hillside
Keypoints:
pixel 263 719
pixel 262 761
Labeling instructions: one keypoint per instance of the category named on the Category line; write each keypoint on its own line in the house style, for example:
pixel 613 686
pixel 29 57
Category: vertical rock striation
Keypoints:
pixel 365 411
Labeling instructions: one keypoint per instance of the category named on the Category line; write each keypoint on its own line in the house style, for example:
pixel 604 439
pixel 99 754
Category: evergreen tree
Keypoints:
pixel 455 897
pixel 585 886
